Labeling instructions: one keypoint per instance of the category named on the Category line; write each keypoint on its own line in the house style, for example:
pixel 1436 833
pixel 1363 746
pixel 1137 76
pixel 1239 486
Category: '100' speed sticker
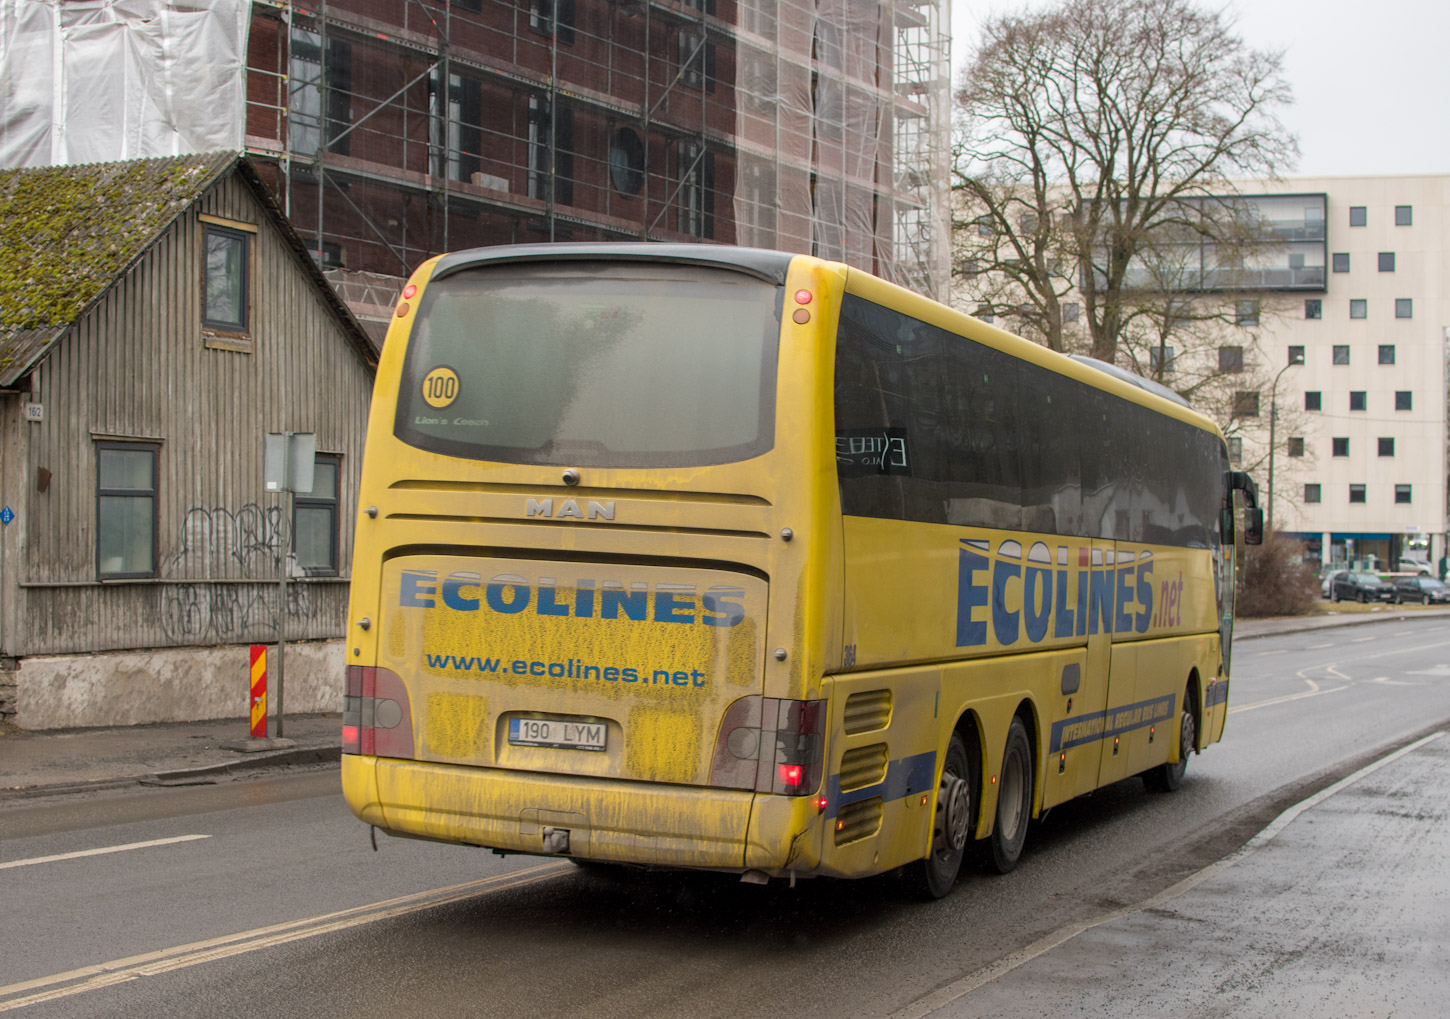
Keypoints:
pixel 440 386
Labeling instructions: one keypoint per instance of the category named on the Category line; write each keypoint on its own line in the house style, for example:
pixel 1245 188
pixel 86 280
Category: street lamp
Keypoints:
pixel 1295 358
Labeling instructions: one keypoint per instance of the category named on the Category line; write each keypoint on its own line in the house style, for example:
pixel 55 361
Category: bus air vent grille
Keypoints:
pixel 867 711
pixel 856 821
pixel 863 766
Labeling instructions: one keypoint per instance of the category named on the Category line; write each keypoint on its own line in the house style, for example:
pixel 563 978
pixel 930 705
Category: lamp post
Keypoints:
pixel 1294 361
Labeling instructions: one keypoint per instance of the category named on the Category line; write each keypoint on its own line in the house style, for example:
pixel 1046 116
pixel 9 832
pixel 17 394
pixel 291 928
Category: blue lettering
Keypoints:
pixel 1004 622
pixel 454 584
pixel 1083 579
pixel 668 608
pixel 1145 594
pixel 417 589
pixel 584 600
pixel 1123 621
pixel 729 612
pixel 635 603
pixel 1037 601
pixel 1102 602
pixel 970 595
pixel 547 606
pixel 495 594
pixel 1062 623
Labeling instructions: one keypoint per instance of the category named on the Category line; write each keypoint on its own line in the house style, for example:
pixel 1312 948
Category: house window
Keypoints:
pixel 125 509
pixel 1387 445
pixel 1312 493
pixel 1404 400
pixel 1339 446
pixel 1296 446
pixel 314 520
pixel 1313 400
pixel 225 278
pixel 1246 313
pixel 1230 359
pixel 696 208
pixel 1404 215
pixel 1402 494
pixel 1296 355
pixel 1339 261
pixel 1356 493
pixel 1356 399
pixel 1357 215
pixel 1070 311
pixel 1387 353
pixel 1341 353
pixel 548 16
pixel 1387 261
pixel 551 151
pixel 309 80
pixel 1246 403
pixel 1358 307
pixel 1404 307
pixel 1160 359
pixel 1313 307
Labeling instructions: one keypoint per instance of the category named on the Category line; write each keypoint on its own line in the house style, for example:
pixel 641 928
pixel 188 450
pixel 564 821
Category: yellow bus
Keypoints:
pixel 728 559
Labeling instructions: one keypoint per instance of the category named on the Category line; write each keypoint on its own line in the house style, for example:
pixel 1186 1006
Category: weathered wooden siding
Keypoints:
pixel 136 367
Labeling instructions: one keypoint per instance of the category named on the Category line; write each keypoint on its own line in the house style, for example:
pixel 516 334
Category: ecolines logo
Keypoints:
pixel 1101 592
pixel 511 594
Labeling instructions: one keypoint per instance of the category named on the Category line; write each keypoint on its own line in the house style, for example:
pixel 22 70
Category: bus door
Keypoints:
pixel 1075 743
pixel 1121 716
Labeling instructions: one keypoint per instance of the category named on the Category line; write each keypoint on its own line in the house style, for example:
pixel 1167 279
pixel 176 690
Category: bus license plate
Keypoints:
pixel 555 732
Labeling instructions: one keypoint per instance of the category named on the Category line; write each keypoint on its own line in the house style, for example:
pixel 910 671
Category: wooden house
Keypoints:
pixel 157 319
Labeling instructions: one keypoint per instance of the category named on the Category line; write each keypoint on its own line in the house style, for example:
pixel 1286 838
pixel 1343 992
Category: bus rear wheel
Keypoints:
pixel 1014 799
pixel 933 877
pixel 1167 777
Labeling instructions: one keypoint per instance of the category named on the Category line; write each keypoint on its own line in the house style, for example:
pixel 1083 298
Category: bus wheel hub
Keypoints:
pixel 956 799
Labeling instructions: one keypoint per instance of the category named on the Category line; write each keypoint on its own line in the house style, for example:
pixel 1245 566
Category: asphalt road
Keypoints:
pixel 265 897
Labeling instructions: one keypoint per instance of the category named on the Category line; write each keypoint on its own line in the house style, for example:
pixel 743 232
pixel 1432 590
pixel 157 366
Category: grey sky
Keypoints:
pixel 1371 81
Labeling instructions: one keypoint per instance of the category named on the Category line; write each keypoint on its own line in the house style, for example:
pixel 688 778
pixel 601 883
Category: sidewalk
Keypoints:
pixel 52 762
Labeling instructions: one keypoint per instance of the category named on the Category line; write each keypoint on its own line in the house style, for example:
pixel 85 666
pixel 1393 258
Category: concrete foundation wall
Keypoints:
pixel 169 685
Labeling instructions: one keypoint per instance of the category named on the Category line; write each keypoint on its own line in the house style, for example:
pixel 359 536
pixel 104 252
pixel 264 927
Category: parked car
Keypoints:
pixel 1362 587
pixel 1327 579
pixel 1425 590
pixel 1419 566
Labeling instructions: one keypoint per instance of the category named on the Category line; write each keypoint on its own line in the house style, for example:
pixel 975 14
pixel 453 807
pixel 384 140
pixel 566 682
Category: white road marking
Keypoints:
pixel 1362 640
pixel 102 851
pixel 118 971
pixel 1281 651
pixel 951 992
pixel 1318 647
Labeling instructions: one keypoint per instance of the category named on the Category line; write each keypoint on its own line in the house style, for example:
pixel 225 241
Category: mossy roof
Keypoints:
pixel 67 233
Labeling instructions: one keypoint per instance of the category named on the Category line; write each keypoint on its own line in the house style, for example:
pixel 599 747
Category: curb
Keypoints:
pixel 1308 624
pixel 206 774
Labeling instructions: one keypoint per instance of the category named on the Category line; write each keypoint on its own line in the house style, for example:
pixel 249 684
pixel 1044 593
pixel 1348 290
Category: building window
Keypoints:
pixel 1341 353
pixel 456 132
pixel 1402 494
pixel 984 313
pixel 1387 445
pixel 985 227
pixel 1404 307
pixel 1311 493
pixel 314 520
pixel 1296 355
pixel 1356 493
pixel 125 509
pixel 1246 313
pixel 1357 215
pixel 1340 261
pixel 308 80
pixel 1160 359
pixel 1356 399
pixel 1313 401
pixel 1339 446
pixel 1235 449
pixel 1246 403
pixel 626 162
pixel 1358 307
pixel 551 151
pixel 1387 261
pixel 1404 215
pixel 696 60
pixel 547 16
pixel 1070 311
pixel 225 278
pixel 1387 353
pixel 1313 307
pixel 1230 359
pixel 1296 446
pixel 697 190
pixel 1404 400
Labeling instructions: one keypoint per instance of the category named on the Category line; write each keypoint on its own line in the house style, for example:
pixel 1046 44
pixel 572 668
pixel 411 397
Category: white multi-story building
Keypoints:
pixel 1360 443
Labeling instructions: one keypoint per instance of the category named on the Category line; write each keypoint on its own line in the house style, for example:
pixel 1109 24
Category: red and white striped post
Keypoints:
pixel 259 691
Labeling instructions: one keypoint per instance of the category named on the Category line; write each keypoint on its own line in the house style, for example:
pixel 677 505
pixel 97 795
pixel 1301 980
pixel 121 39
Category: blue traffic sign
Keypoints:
pixel 6 515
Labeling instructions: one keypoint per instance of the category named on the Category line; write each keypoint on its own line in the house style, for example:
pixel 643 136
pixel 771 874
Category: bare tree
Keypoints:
pixel 1097 141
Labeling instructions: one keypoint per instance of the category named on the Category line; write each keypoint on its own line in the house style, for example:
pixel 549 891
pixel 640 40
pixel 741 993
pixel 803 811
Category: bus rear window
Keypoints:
pixel 593 364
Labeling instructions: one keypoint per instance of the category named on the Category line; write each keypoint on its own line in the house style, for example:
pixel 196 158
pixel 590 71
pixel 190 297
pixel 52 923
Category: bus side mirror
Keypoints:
pixel 1253 526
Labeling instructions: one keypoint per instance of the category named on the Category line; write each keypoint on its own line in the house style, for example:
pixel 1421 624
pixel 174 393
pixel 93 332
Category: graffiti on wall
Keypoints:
pixel 216 543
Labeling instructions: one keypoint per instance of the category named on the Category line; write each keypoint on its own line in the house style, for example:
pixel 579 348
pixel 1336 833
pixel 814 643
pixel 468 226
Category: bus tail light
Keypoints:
pixel 376 716
pixel 771 745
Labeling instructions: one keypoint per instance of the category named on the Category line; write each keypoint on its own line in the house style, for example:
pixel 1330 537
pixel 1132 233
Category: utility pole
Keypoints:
pixel 1295 360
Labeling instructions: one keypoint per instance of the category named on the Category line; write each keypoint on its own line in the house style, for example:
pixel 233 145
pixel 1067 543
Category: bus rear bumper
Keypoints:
pixel 626 822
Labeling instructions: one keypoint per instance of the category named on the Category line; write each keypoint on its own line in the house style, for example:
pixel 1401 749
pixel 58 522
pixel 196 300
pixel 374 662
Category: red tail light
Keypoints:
pixel 376 716
pixel 771 745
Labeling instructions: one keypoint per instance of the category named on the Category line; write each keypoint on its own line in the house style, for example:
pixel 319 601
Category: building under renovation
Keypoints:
pixel 395 129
